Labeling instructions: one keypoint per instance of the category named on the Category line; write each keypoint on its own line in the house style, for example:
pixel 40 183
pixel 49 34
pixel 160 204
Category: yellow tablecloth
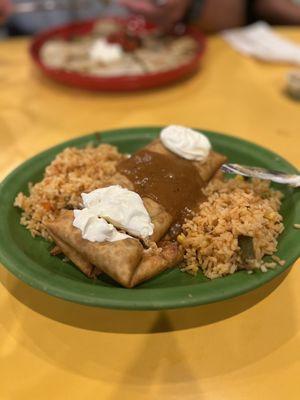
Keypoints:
pixel 244 348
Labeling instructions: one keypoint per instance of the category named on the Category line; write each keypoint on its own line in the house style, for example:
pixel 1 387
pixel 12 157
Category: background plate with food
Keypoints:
pixel 116 54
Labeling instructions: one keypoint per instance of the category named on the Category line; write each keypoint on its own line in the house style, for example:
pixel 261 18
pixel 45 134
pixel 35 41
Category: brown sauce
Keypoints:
pixel 169 180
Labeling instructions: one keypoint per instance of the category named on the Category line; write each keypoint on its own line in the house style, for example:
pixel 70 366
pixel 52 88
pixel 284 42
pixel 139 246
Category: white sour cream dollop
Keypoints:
pixel 118 207
pixel 105 52
pixel 96 229
pixel 185 142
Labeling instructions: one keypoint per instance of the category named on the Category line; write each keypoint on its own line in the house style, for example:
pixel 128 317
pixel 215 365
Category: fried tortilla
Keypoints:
pixel 168 255
pixel 160 218
pixel 80 261
pixel 117 259
pixel 125 261
pixel 206 168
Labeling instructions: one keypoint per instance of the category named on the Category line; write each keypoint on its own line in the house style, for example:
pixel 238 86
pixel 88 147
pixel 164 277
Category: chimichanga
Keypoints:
pixel 117 259
pixel 127 261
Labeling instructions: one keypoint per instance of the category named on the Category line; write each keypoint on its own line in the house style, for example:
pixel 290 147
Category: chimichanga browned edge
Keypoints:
pixel 126 261
pixel 117 259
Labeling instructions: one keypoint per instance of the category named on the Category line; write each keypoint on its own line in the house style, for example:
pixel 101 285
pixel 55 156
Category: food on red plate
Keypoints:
pixel 111 49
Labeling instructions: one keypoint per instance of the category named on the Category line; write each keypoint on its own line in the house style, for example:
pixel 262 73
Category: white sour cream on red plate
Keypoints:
pixel 105 52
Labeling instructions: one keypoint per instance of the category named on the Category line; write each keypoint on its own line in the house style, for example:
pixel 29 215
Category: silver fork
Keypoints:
pixel 262 173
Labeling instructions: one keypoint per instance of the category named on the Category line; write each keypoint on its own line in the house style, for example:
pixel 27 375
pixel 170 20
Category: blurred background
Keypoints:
pixel 23 17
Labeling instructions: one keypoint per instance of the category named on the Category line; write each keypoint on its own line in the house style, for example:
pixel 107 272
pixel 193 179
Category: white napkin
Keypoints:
pixel 260 41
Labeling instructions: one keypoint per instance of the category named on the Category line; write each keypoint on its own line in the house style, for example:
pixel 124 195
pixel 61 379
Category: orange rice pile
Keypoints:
pixel 233 208
pixel 72 172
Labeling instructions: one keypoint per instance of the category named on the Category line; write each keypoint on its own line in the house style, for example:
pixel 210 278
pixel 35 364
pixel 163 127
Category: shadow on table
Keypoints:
pixel 122 321
pixel 166 356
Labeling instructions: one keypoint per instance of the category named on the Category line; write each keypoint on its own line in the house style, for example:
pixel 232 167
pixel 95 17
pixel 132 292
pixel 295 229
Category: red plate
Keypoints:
pixel 116 83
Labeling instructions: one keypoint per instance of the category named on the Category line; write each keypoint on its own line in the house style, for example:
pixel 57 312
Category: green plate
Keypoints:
pixel 29 258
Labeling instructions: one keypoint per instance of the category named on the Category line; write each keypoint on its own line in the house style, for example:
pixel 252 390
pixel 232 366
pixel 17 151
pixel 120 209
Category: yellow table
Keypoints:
pixel 244 348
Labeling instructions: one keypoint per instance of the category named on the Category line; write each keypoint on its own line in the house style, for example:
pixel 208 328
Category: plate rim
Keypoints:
pixel 188 295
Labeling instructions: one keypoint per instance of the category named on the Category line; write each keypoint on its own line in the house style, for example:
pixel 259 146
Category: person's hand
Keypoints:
pixel 164 13
pixel 5 9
